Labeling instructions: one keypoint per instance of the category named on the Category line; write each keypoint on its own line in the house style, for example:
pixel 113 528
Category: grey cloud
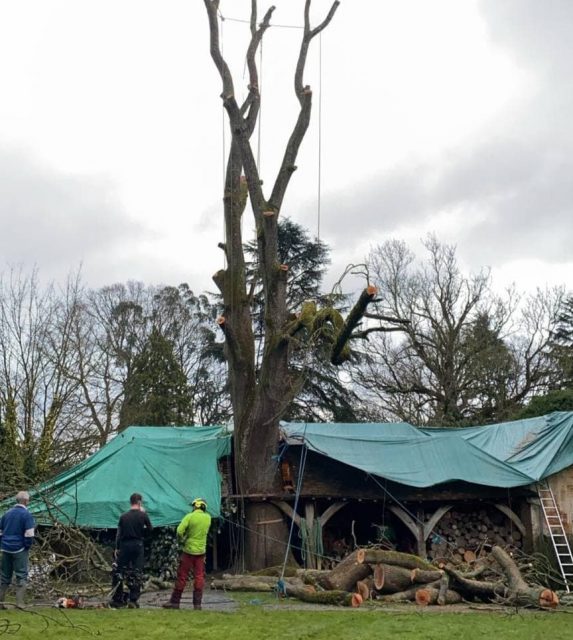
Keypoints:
pixel 514 175
pixel 56 220
pixel 536 33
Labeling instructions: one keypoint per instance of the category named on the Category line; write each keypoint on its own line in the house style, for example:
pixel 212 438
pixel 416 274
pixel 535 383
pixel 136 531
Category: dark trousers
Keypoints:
pixel 14 564
pixel 129 569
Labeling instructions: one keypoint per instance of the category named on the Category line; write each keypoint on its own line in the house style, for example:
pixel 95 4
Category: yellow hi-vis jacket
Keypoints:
pixel 192 532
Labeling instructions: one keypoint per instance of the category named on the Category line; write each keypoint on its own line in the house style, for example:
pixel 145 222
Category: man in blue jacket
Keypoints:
pixel 16 537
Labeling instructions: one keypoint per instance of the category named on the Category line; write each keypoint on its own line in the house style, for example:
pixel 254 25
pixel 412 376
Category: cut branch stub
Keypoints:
pixel 221 320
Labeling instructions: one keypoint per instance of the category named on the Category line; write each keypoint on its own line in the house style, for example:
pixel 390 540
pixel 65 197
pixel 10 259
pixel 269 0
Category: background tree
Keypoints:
pixel 562 343
pixel 156 391
pixel 35 354
pixel 465 355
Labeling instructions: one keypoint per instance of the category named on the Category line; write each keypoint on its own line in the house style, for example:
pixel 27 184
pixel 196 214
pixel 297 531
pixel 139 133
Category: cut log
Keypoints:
pixel 443 589
pixel 548 599
pixel 469 556
pixel 346 574
pixel 519 592
pixel 230 582
pixel 396 558
pixel 379 576
pixel 395 579
pixel 363 589
pixel 242 584
pixel 356 600
pixel 407 594
pixel 311 576
pixel 422 597
pixel 307 594
pixel 422 576
pixel 427 595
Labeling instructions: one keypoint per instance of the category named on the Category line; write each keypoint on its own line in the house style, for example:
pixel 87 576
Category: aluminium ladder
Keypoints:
pixel 557 533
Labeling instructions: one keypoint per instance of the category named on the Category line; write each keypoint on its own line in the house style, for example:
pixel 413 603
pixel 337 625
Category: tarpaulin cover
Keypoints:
pixel 509 454
pixel 169 466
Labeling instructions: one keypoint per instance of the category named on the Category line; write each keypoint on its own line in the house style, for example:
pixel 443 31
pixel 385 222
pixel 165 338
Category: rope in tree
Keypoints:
pixel 302 464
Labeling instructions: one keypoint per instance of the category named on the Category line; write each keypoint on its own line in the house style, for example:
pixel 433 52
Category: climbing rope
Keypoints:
pixel 302 464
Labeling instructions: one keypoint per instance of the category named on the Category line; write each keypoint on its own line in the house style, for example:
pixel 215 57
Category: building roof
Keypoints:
pixel 509 454
pixel 169 466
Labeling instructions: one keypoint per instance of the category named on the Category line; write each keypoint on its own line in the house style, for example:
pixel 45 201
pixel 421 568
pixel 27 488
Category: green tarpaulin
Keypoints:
pixel 509 454
pixel 168 465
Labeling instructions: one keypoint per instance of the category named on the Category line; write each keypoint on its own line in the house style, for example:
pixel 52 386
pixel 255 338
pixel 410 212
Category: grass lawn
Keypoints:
pixel 253 623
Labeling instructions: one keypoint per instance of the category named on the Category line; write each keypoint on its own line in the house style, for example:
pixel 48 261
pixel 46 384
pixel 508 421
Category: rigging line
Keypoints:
pixel 280 26
pixel 224 146
pixel 302 465
pixel 319 137
pixel 260 109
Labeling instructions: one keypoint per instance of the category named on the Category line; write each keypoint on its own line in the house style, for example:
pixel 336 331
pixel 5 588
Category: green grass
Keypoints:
pixel 253 623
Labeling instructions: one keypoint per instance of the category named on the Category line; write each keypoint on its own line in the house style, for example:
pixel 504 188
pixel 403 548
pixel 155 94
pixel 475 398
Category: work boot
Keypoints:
pixel 20 593
pixel 174 601
pixel 197 598
pixel 3 589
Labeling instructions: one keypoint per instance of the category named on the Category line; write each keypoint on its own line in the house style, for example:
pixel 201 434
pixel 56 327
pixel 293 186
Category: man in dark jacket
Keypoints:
pixel 132 528
pixel 16 534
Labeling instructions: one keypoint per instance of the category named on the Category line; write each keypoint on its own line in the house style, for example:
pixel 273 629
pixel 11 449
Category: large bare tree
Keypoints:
pixel 466 354
pixel 261 395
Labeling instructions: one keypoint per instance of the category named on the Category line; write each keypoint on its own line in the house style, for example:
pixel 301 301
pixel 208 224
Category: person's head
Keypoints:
pixel 22 497
pixel 135 499
pixel 199 503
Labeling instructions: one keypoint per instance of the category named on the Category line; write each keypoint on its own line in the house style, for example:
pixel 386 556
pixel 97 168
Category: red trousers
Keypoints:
pixel 193 563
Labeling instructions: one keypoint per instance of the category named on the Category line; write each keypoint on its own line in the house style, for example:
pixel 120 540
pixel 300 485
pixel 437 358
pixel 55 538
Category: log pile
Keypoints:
pixel 460 535
pixel 380 577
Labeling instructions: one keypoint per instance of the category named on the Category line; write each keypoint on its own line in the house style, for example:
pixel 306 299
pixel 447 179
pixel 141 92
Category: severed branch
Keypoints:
pixel 340 352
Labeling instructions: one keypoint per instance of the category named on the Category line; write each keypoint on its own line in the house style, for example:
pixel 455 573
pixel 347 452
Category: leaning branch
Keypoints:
pixel 339 354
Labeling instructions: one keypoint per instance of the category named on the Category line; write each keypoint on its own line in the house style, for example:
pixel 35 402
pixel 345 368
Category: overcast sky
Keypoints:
pixel 445 116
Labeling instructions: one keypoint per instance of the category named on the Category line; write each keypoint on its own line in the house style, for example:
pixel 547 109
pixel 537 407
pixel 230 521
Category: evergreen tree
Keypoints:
pixel 562 344
pixel 11 461
pixel 323 394
pixel 156 390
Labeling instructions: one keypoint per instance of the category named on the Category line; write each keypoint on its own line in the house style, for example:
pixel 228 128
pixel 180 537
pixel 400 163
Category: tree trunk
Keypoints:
pixel 266 536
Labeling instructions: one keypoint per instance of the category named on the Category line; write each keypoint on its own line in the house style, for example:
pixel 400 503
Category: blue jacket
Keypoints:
pixel 16 529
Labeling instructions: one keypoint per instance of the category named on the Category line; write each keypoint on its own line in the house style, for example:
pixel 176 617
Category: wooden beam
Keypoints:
pixel 433 521
pixel 330 511
pixel 414 526
pixel 513 517
pixel 288 510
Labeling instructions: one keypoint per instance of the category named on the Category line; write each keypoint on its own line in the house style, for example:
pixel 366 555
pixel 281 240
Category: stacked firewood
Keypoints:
pixel 461 535
pixel 382 576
